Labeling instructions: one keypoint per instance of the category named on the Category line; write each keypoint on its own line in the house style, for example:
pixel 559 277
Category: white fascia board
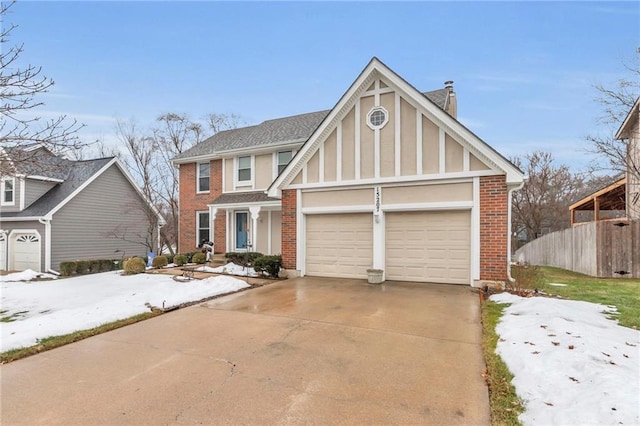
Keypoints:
pixel 253 150
pixel 43 178
pixel 21 218
pixel 635 109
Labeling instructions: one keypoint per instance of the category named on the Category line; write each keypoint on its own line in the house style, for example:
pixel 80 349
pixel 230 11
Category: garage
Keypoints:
pixel 25 251
pixel 428 246
pixel 339 245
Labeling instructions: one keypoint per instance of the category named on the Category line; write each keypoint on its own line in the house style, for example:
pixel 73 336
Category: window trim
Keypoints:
pixel 3 201
pixel 373 111
pixel 198 227
pixel 236 171
pixel 278 160
pixel 198 190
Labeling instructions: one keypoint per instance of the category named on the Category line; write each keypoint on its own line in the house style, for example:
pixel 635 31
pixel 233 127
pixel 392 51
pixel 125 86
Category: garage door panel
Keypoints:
pixel 428 246
pixel 339 245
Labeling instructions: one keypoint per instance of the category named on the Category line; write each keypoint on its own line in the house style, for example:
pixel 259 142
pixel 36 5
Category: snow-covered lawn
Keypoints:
pixel 571 364
pixel 51 308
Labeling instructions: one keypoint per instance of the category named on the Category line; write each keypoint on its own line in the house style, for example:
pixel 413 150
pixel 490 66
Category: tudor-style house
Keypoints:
pixel 387 179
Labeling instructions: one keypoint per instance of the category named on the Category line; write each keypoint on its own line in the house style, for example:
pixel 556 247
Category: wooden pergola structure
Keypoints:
pixel 613 197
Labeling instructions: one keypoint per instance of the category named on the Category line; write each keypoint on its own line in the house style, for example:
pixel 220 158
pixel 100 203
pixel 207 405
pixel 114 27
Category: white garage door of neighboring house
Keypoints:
pixel 429 246
pixel 3 251
pixel 339 245
pixel 25 251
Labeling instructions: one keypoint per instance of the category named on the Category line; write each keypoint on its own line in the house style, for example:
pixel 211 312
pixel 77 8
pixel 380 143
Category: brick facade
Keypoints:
pixel 493 228
pixel 191 202
pixel 289 204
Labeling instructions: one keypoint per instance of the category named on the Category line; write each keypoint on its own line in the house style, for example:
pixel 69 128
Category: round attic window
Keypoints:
pixel 377 117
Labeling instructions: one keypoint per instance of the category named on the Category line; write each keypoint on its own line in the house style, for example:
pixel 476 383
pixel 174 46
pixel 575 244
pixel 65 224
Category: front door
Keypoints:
pixel 242 230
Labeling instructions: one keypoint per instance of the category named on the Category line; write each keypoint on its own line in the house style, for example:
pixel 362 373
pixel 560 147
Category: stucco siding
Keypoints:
pixel 367 147
pixel 84 227
pixel 476 164
pixel 348 146
pixel 228 174
pixel 453 155
pixel 427 193
pixel 353 197
pixel 387 137
pixel 263 233
pixel 34 189
pixel 276 229
pixel 264 171
pixel 430 146
pixel 408 138
pixel 330 158
pixel 313 167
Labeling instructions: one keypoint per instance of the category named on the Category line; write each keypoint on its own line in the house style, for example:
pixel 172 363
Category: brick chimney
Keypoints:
pixel 452 103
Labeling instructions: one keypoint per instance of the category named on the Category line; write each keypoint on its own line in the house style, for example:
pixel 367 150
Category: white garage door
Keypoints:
pixel 339 245
pixel 429 246
pixel 25 252
pixel 3 251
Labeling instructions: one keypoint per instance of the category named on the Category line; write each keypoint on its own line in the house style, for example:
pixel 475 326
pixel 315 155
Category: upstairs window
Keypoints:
pixel 244 169
pixel 284 157
pixel 7 191
pixel 204 173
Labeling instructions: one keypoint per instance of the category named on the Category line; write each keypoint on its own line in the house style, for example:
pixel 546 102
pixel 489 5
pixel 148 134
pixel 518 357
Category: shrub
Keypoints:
pixel 135 265
pixel 94 266
pixel 180 259
pixel 243 258
pixel 82 267
pixel 189 256
pixel 106 265
pixel 268 264
pixel 199 258
pixel 160 262
pixel 169 258
pixel 527 278
pixel 68 268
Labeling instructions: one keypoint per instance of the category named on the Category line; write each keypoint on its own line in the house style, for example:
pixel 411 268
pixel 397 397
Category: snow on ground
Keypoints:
pixel 571 364
pixel 231 269
pixel 52 308
pixel 27 275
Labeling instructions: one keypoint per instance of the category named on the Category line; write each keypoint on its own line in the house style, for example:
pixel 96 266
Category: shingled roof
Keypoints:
pixel 296 128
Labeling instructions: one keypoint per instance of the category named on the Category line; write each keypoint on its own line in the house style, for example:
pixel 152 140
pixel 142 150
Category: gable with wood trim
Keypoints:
pixel 390 181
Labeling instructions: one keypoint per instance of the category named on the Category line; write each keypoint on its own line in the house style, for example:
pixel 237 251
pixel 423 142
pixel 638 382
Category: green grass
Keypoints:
pixel 504 404
pixel 13 317
pixel 57 341
pixel 623 293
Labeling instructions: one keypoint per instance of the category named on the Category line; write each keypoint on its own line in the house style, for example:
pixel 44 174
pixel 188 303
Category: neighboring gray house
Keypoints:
pixel 53 210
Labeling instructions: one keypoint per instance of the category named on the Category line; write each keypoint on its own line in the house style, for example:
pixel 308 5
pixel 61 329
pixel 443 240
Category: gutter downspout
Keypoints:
pixel 46 221
pixel 509 203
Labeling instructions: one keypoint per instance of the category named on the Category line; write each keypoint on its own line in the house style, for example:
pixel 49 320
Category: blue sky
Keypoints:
pixel 523 71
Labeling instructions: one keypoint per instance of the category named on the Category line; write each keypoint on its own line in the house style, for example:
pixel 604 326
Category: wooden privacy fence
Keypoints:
pixel 606 248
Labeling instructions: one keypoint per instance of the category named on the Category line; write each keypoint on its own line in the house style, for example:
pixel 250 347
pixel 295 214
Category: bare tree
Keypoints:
pixel 542 205
pixel 220 122
pixel 616 102
pixel 19 87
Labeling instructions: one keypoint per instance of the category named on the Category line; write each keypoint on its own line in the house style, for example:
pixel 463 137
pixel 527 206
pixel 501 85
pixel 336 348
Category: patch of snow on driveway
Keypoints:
pixel 27 275
pixel 571 364
pixel 53 308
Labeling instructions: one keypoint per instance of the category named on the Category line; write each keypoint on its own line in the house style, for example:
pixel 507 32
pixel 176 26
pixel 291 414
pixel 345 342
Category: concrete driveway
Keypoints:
pixel 306 350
